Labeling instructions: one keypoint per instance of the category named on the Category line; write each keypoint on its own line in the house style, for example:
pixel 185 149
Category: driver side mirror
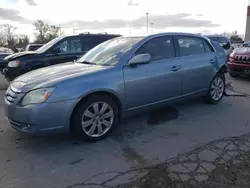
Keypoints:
pixel 139 59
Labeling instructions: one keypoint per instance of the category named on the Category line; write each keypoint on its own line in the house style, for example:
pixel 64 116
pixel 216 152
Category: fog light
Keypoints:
pixel 25 127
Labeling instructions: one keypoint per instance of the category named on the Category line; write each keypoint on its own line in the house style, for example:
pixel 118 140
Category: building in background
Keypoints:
pixel 247 34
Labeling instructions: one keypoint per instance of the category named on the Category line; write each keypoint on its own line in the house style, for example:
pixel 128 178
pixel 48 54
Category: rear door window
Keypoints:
pixel 91 41
pixel 190 46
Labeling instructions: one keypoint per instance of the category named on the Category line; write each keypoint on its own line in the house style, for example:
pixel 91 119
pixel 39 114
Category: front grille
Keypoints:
pixel 11 95
pixel 242 59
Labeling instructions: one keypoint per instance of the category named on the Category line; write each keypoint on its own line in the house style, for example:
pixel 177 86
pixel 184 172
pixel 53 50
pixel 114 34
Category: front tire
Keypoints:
pixel 216 89
pixel 95 118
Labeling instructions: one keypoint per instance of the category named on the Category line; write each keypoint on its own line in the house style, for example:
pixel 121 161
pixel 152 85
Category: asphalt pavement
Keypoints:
pixel 186 144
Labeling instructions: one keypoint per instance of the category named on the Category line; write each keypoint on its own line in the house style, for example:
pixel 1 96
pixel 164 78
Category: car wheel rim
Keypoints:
pixel 97 119
pixel 217 88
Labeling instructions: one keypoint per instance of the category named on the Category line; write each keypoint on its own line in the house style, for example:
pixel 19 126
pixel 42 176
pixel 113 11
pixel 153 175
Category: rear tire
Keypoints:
pixel 216 89
pixel 95 118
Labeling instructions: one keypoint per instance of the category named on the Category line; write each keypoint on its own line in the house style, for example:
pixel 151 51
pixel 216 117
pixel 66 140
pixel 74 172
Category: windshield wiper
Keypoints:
pixel 86 62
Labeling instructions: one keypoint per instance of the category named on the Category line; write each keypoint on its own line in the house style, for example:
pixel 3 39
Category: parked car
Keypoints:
pixel 3 53
pixel 224 41
pixel 60 50
pixel 239 62
pixel 116 79
pixel 33 47
pixel 246 44
pixel 20 49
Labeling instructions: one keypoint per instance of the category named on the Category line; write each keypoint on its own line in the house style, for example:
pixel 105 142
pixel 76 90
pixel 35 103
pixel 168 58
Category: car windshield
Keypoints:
pixel 46 46
pixel 110 52
pixel 6 51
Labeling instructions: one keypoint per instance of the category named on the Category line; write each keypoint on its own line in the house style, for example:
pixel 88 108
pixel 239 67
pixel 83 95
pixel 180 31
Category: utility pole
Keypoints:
pixel 151 27
pixel 74 28
pixel 147 22
pixel 247 33
pixel 129 30
pixel 75 31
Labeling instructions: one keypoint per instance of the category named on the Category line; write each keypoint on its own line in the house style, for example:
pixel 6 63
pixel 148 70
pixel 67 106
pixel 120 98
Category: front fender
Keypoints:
pixel 77 88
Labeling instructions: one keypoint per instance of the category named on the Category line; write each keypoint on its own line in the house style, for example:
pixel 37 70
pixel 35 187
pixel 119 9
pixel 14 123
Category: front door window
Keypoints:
pixel 71 45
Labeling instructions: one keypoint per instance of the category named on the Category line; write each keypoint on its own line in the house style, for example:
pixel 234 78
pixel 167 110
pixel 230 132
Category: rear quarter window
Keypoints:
pixel 217 46
pixel 208 47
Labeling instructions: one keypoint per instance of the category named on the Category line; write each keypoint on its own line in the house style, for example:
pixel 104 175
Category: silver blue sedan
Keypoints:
pixel 117 78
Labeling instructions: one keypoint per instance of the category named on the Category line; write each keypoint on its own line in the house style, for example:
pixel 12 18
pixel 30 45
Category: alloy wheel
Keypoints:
pixel 217 88
pixel 97 119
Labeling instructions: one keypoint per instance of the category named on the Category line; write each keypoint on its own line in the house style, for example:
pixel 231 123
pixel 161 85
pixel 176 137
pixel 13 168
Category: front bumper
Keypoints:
pixel 10 73
pixel 239 69
pixel 40 118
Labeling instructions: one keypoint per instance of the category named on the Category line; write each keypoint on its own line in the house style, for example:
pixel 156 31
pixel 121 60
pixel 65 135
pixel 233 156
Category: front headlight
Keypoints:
pixel 13 63
pixel 232 54
pixel 37 96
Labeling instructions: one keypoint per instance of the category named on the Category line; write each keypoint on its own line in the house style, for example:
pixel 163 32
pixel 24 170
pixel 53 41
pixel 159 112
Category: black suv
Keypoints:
pixel 59 50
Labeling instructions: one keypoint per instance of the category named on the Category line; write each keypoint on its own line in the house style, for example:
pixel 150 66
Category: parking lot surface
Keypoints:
pixel 172 137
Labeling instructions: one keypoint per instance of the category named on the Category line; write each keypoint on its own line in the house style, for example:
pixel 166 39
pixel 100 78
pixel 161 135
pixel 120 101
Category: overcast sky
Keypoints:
pixel 124 16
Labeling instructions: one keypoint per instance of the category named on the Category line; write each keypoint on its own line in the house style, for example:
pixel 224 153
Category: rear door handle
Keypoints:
pixel 175 68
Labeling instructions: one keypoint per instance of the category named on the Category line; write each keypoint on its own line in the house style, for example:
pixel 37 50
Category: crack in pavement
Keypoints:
pixel 230 91
pixel 220 163
pixel 76 161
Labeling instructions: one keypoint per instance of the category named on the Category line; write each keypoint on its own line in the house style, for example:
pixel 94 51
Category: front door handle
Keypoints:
pixel 175 68
pixel 212 61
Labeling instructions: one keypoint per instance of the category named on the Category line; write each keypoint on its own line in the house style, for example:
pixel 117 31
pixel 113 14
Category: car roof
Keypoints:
pixel 96 34
pixel 166 34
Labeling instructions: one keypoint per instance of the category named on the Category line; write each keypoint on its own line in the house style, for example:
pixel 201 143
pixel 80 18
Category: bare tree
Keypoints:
pixel 42 30
pixel 22 41
pixel 236 38
pixel 9 33
pixel 54 31
pixel 8 38
pixel 2 40
pixel 45 32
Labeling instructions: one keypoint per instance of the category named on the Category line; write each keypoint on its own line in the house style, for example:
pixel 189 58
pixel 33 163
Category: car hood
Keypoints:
pixel 242 51
pixel 18 55
pixel 53 74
